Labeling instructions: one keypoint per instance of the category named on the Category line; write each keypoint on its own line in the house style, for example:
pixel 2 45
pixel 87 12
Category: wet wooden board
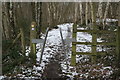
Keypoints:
pixel 37 40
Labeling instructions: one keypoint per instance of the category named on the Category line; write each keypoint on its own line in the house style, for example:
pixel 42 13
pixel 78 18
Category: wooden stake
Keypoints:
pixel 73 59
pixel 33 36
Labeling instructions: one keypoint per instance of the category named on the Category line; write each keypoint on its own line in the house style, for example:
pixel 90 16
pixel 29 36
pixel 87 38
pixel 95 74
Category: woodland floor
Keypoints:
pixel 56 64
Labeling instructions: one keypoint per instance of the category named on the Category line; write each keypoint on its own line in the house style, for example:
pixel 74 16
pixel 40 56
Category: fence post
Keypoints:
pixel 33 36
pixel 94 43
pixel 94 35
pixel 118 36
pixel 118 44
pixel 74 35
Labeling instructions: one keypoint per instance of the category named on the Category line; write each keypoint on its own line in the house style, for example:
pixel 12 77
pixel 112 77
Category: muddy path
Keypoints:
pixel 53 70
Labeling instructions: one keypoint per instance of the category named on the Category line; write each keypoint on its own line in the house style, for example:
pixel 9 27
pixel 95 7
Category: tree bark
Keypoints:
pixel 7 21
pixel 86 13
pixel 81 13
pixel 39 18
pixel 21 24
pixel 105 14
pixel 100 12
pixel 93 12
pixel 22 40
pixel 76 14
pixel 33 11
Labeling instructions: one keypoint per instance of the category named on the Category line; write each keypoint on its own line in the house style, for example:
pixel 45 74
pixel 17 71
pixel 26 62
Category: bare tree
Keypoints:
pixel 100 12
pixel 105 14
pixel 81 12
pixel 86 13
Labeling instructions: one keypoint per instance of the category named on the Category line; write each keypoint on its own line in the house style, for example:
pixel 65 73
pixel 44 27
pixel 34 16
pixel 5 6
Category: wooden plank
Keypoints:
pixel 84 30
pixel 69 40
pixel 98 43
pixel 96 31
pixel 89 53
pixel 37 40
pixel 106 31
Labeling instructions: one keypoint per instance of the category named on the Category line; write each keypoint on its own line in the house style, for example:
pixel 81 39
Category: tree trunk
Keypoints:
pixel 22 40
pixel 76 9
pixel 81 13
pixel 7 21
pixel 21 24
pixel 33 11
pixel 11 12
pixel 39 18
pixel 86 14
pixel 105 14
pixel 100 12
pixel 93 12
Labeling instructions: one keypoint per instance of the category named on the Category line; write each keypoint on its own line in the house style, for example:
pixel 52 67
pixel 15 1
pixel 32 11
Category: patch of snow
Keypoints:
pixel 108 67
pixel 54 40
pixel 84 37
pixel 107 20
pixel 83 48
pixel 2 77
pixel 27 50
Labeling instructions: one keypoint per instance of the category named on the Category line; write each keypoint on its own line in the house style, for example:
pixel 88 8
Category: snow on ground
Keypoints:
pixel 54 40
pixel 107 20
pixel 81 37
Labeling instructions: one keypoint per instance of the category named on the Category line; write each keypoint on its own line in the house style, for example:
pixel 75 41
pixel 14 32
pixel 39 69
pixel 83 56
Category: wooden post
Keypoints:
pixel 73 58
pixel 94 35
pixel 118 44
pixel 118 36
pixel 94 41
pixel 33 36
